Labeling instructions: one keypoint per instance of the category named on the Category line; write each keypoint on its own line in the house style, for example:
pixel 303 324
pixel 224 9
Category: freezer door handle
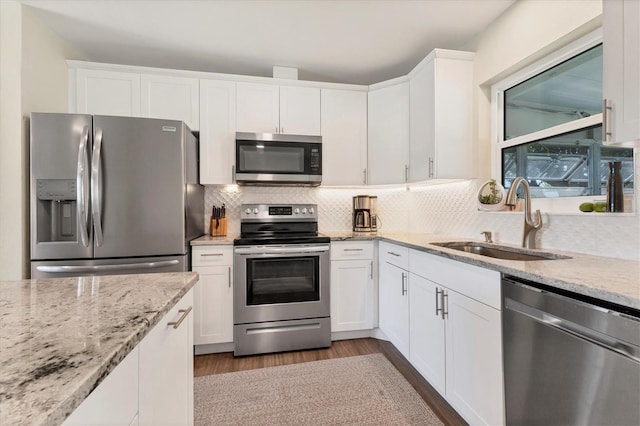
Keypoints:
pixel 96 188
pixel 82 185
pixel 101 268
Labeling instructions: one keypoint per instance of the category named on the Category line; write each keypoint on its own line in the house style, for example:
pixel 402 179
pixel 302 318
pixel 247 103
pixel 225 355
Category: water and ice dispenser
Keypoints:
pixel 56 210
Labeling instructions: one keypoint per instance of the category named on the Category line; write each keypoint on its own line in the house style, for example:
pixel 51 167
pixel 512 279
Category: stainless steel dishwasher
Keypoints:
pixel 568 359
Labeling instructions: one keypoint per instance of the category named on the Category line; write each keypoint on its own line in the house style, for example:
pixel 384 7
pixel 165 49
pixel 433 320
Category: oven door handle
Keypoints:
pixel 281 250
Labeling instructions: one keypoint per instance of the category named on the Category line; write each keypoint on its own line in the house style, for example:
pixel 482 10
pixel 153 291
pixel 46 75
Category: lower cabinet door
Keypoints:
pixel 115 401
pixel 394 306
pixel 166 369
pixel 351 295
pixel 474 359
pixel 213 310
pixel 427 329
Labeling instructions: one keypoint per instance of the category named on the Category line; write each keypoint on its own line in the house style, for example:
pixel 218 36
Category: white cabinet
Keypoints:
pixel 474 359
pixel 105 92
pixel 300 110
pixel 166 369
pixel 132 94
pixel 441 101
pixel 394 295
pixel 258 108
pixel 268 108
pixel 427 331
pixel 344 137
pixel 170 97
pixel 153 384
pixel 217 131
pixel 621 73
pixel 456 334
pixel 213 298
pixel 352 286
pixel 114 401
pixel 388 133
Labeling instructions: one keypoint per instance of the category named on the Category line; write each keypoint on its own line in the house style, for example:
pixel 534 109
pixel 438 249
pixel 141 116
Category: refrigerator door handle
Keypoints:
pixel 82 185
pixel 96 188
pixel 100 268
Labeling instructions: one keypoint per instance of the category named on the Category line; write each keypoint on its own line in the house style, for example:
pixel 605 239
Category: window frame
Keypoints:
pixel 497 104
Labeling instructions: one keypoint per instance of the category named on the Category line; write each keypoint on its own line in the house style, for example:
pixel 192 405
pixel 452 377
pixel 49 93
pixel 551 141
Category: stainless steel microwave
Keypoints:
pixel 278 159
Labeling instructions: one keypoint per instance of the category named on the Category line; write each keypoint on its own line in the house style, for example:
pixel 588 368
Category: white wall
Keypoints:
pixel 11 153
pixel 526 32
pixel 34 78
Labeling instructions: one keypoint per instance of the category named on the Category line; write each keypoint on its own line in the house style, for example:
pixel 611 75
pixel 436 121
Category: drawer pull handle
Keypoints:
pixel 184 313
pixel 211 254
pixel 438 292
pixel 352 249
pixel 393 254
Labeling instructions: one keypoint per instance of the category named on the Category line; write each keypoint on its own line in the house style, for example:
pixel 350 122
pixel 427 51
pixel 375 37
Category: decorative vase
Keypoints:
pixel 491 196
pixel 615 195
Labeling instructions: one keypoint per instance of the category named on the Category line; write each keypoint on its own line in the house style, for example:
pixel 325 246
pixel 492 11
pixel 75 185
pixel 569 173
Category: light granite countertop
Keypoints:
pixel 208 240
pixel 60 337
pixel 613 280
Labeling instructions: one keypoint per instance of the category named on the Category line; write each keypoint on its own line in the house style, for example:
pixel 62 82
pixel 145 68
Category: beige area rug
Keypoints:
pixel 359 390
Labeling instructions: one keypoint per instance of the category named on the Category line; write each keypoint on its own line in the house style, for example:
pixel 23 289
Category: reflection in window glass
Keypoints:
pixel 569 165
pixel 567 92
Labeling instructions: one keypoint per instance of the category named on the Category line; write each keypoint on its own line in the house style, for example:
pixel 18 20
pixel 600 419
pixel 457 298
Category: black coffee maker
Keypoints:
pixel 365 218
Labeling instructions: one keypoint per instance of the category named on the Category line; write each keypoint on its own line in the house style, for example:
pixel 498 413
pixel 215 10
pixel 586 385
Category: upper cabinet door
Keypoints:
pixel 388 134
pixel 217 131
pixel 344 137
pixel 174 98
pixel 621 78
pixel 258 108
pixel 300 110
pixel 422 115
pixel 107 93
pixel 441 95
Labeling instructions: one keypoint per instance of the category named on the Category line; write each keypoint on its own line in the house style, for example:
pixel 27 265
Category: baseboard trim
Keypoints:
pixel 213 348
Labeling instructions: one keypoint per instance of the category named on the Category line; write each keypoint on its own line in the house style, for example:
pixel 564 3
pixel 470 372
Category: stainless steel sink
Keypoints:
pixel 499 252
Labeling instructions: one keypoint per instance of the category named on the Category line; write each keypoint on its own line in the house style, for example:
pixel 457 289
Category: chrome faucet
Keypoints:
pixel 530 226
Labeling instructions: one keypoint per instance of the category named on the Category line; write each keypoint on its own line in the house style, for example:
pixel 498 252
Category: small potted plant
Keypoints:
pixel 491 196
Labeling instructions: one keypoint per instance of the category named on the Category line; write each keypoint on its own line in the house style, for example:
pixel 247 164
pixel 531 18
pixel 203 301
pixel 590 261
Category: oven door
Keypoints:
pixel 284 282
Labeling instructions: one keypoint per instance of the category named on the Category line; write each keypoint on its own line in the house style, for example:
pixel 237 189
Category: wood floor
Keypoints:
pixel 225 362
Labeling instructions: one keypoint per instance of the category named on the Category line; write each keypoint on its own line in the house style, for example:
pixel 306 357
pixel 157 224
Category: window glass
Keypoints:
pixel 569 165
pixel 567 92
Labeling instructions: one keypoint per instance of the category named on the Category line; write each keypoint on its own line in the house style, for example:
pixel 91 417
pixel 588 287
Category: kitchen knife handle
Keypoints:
pixel 96 188
pixel 82 187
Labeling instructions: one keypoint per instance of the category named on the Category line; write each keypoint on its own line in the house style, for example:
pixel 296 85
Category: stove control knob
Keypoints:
pixel 311 210
pixel 247 211
pixel 304 210
pixel 296 211
pixel 255 211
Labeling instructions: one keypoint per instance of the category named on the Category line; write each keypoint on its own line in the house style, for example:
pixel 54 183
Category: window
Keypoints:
pixel 549 126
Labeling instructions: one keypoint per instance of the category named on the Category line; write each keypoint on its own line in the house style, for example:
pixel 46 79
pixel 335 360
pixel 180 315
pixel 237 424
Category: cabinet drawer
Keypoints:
pixel 394 254
pixel 212 255
pixel 472 281
pixel 351 250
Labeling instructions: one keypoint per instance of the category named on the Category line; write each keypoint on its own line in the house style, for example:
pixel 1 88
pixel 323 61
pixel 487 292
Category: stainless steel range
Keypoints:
pixel 281 285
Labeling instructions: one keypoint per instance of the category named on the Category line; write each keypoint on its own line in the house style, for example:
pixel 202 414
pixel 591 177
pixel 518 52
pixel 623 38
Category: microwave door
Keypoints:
pixel 60 156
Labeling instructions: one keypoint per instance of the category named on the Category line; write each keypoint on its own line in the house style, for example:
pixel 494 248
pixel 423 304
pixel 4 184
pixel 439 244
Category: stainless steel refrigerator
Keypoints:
pixel 112 195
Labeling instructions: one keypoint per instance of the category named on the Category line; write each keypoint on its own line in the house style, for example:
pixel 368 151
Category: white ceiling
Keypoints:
pixel 347 41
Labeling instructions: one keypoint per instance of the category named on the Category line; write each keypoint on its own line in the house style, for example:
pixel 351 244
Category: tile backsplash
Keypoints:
pixel 448 208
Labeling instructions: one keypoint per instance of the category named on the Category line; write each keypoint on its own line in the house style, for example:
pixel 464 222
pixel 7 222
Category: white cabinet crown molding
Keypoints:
pixel 442 54
pixel 74 65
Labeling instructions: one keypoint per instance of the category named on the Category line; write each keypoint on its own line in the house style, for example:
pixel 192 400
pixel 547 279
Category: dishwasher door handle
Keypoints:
pixel 623 348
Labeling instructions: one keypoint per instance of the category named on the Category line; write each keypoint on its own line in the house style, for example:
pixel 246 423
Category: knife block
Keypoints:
pixel 219 227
